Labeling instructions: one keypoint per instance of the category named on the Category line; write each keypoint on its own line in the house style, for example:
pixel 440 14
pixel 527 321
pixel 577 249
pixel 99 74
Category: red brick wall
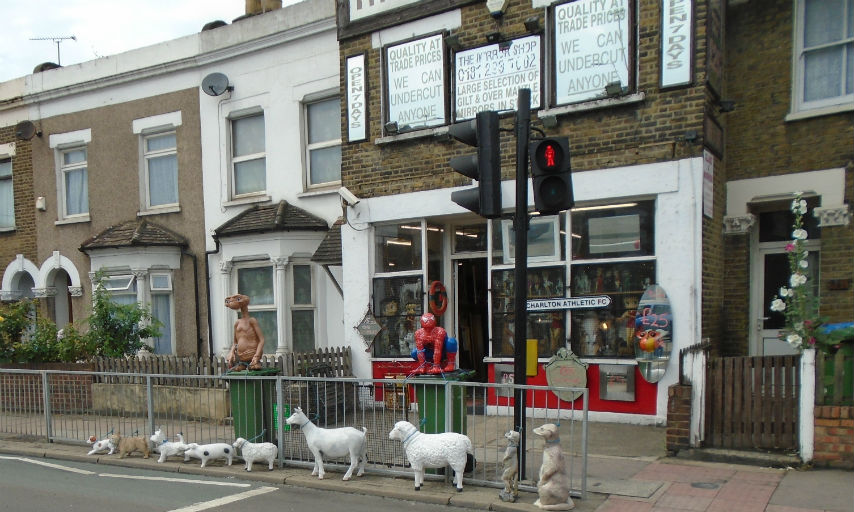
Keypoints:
pixel 834 436
pixel 23 239
pixel 678 418
pixel 645 132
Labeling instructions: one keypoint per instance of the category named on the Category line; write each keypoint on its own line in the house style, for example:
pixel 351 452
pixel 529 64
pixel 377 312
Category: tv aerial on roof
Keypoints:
pixel 215 84
pixel 26 130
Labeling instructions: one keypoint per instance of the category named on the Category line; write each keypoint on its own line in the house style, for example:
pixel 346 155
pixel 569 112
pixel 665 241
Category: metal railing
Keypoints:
pixel 69 407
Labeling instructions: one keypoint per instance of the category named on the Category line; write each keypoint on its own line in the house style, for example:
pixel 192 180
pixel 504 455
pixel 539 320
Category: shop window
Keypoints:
pixel 398 247
pixel 398 306
pixel 546 240
pixel 613 255
pixel 548 328
pixel 470 238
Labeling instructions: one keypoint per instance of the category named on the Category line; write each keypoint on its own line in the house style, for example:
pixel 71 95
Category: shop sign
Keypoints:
pixel 592 41
pixel 677 42
pixel 356 100
pixel 593 301
pixel 368 328
pixel 565 370
pixel 360 9
pixel 415 81
pixel 489 77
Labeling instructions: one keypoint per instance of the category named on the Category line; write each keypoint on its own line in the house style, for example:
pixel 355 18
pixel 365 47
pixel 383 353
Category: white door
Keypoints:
pixel 772 273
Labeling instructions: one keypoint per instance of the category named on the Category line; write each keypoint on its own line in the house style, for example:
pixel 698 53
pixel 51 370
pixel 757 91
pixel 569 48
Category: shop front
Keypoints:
pixel 633 228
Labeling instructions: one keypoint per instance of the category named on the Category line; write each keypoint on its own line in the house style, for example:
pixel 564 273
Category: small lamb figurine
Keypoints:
pixel 252 451
pixel 554 484
pixel 167 448
pixel 101 445
pixel 333 443
pixel 433 451
pixel 511 468
pixel 207 452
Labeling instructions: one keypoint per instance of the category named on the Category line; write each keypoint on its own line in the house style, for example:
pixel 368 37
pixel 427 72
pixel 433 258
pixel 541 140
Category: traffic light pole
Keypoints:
pixel 520 291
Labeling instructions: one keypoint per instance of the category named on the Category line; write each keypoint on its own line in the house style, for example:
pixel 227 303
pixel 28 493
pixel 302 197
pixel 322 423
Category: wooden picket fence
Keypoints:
pixel 326 362
pixel 752 402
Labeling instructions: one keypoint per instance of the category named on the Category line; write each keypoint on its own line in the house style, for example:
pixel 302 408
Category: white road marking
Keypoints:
pixel 180 480
pixel 196 507
pixel 48 464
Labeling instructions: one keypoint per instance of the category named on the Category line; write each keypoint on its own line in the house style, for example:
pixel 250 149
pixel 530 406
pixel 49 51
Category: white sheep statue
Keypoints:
pixel 332 443
pixel 168 448
pixel 433 451
pixel 251 451
pixel 554 484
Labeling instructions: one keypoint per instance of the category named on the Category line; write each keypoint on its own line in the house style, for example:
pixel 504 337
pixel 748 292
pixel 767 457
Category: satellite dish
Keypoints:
pixel 215 84
pixel 25 130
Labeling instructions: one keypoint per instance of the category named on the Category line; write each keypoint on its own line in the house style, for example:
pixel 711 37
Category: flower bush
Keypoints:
pixel 114 330
pixel 798 301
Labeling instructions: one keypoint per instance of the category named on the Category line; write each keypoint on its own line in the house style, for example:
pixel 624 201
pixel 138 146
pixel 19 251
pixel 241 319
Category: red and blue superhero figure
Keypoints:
pixel 431 344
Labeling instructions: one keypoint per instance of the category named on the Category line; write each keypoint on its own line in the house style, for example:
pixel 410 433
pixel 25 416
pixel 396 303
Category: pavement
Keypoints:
pixel 628 470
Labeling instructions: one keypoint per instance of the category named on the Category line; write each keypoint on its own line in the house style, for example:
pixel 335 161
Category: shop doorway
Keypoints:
pixel 471 296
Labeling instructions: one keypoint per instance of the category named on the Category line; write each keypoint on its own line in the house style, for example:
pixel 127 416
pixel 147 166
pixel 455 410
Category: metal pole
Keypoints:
pixel 520 290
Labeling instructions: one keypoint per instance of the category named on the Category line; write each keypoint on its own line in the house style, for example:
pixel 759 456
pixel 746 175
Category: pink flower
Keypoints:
pixel 812 341
pixel 790 247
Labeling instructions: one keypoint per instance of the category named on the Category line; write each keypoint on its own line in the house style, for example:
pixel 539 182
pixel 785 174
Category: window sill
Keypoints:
pixel 8 229
pixel 320 192
pixel 593 105
pixel 158 211
pixel 818 112
pixel 73 220
pixel 438 132
pixel 247 200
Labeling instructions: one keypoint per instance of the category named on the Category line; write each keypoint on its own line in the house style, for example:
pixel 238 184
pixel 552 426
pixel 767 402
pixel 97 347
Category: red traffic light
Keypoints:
pixel 549 155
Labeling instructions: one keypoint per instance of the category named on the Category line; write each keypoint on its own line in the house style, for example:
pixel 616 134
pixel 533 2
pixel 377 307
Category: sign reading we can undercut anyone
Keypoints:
pixel 592 40
pixel 415 80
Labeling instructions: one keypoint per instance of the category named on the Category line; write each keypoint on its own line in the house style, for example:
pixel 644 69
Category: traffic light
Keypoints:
pixel 552 175
pixel 485 167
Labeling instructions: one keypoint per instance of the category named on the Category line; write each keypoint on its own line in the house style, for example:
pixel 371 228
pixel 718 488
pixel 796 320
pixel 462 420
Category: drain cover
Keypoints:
pixel 704 485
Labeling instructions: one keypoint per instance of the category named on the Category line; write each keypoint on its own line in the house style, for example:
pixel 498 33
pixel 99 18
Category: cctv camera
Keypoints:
pixel 349 198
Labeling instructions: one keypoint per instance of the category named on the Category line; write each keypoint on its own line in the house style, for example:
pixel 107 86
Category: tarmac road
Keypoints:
pixel 49 485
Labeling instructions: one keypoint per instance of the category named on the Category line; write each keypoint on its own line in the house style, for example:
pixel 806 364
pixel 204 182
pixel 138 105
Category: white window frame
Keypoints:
pixel 799 108
pixel 62 143
pixel 293 306
pixel 232 159
pixel 145 128
pixel 275 306
pixel 7 151
pixel 167 288
pixel 309 147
